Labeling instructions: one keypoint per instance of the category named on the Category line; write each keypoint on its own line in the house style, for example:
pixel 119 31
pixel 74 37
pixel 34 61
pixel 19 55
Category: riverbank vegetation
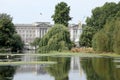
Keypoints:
pixel 103 29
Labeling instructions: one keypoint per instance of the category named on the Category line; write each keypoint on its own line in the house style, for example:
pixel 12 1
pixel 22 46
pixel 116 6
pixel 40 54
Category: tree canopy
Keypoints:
pixel 101 14
pixel 86 37
pixel 7 30
pixel 17 44
pixel 108 38
pixel 99 18
pixel 61 15
pixel 8 36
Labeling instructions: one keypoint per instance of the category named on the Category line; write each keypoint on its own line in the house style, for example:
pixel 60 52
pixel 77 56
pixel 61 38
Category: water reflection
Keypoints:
pixel 61 69
pixel 76 72
pixel 100 69
pixel 31 72
pixel 67 68
pixel 7 72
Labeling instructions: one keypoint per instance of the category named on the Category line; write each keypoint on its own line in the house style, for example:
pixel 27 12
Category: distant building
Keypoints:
pixel 29 32
pixel 75 33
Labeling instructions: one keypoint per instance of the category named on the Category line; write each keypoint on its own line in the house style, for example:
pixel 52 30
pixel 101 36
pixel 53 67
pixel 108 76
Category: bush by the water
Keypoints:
pixel 57 39
pixel 108 39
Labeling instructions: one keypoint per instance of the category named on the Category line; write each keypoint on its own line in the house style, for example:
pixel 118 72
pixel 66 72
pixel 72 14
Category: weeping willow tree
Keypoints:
pixel 57 39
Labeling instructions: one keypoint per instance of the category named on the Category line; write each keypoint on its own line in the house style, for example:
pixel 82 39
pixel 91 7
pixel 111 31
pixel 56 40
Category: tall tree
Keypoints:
pixel 7 30
pixel 86 37
pixel 100 16
pixel 8 36
pixel 17 44
pixel 61 15
pixel 108 36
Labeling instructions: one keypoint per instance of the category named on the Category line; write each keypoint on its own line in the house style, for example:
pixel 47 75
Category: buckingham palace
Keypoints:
pixel 29 32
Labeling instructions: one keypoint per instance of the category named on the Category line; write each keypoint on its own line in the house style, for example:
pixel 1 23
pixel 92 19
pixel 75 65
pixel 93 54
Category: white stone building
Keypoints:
pixel 75 33
pixel 29 32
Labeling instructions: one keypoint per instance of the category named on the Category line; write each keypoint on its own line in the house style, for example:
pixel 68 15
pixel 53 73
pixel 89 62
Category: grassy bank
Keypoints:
pixel 28 63
pixel 66 54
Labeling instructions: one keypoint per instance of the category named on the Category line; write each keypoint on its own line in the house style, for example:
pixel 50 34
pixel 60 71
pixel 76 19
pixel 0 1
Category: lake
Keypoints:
pixel 33 67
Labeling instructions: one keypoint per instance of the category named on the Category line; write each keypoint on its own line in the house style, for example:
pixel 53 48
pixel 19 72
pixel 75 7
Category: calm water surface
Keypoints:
pixel 67 68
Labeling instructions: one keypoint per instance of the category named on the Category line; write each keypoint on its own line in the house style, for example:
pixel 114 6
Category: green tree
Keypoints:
pixel 99 18
pixel 101 14
pixel 108 38
pixel 61 15
pixel 116 35
pixel 100 41
pixel 17 44
pixel 86 37
pixel 57 39
pixel 7 30
pixel 35 43
pixel 8 36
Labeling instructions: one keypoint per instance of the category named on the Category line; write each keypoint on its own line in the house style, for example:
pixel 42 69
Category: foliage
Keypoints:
pixel 7 30
pixel 61 15
pixel 100 16
pixel 36 42
pixel 17 44
pixel 116 36
pixel 9 40
pixel 86 36
pixel 57 39
pixel 100 41
pixel 108 39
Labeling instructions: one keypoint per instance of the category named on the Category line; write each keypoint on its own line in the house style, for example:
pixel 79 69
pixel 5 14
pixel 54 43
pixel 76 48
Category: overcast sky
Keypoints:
pixel 30 11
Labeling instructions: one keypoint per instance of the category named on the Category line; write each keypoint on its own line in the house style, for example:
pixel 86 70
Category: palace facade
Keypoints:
pixel 29 32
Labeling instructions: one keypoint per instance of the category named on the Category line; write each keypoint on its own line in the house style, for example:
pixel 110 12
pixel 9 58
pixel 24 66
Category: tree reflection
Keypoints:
pixel 100 69
pixel 61 69
pixel 7 72
pixel 88 69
